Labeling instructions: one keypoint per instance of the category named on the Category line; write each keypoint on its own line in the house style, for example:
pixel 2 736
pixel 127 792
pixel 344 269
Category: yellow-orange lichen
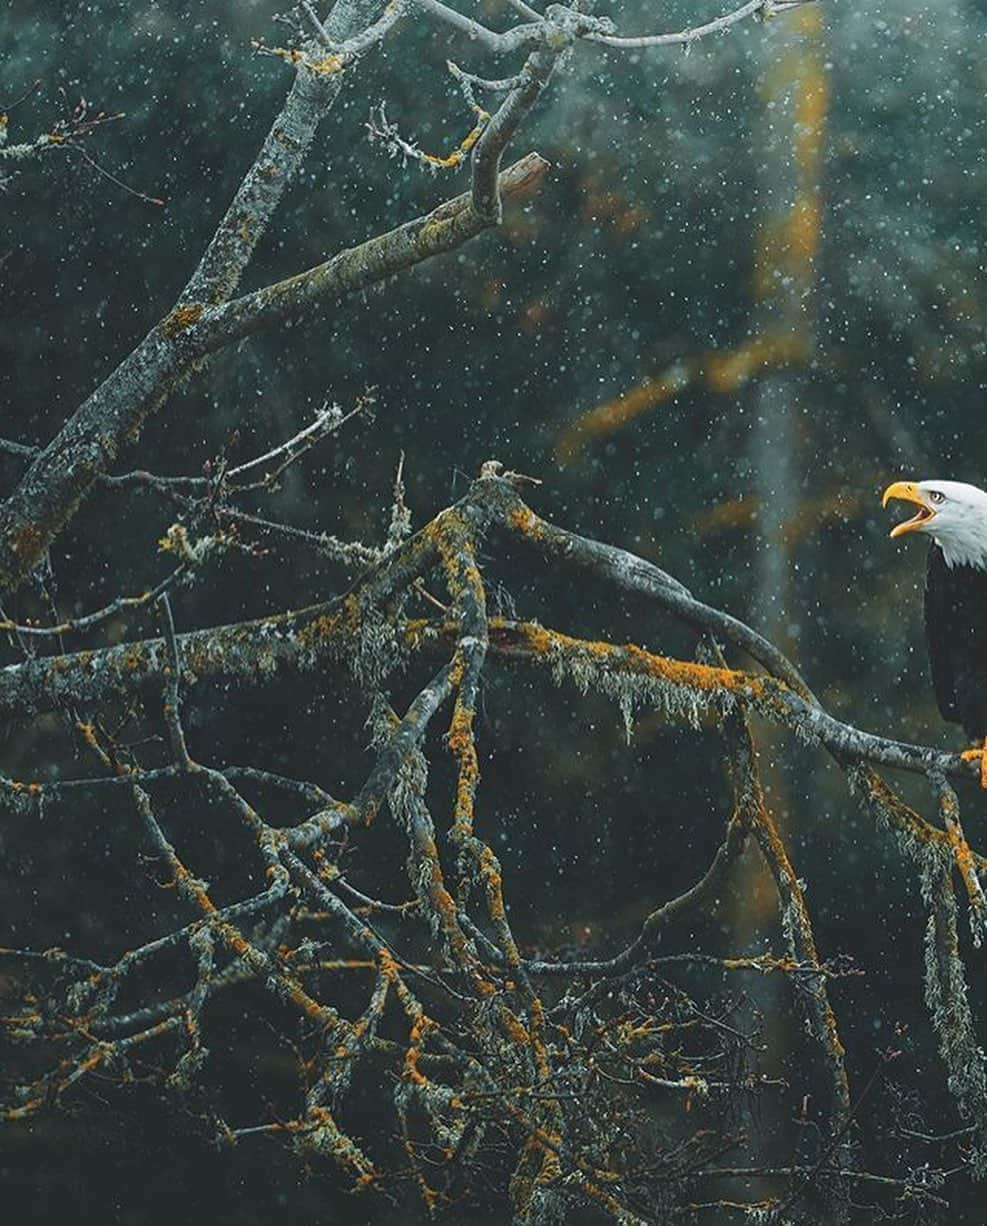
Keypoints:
pixel 451 160
pixel 17 785
pixel 463 746
pixel 182 318
pixel 326 66
pixel 630 658
pixel 902 817
pixel 421 1028
pixel 490 873
pixel 329 626
pixel 388 967
pixel 963 854
pixel 525 521
pixel 513 1027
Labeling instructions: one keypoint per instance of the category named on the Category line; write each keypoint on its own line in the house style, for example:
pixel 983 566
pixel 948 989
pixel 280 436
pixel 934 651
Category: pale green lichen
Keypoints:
pixel 946 992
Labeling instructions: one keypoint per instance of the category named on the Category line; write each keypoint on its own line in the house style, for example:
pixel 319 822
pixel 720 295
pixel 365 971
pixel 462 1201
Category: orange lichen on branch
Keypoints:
pixel 182 318
pixel 318 1132
pixel 388 966
pixel 525 521
pixel 538 1042
pixel 12 1115
pixel 965 860
pixel 513 1027
pixel 531 639
pixel 429 1195
pixel 764 963
pixel 421 1028
pixel 901 817
pixel 287 987
pixel 327 65
pixel 330 626
pixel 462 745
pixel 494 882
pixel 444 907
pixel 87 731
pixel 450 160
pixel 16 785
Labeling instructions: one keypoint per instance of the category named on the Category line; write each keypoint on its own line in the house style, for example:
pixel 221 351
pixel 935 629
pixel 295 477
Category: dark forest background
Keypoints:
pixel 645 262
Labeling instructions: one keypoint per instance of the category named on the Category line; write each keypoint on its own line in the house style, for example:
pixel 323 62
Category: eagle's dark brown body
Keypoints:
pixel 956 630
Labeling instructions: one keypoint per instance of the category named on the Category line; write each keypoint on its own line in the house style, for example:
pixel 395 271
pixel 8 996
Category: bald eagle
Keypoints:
pixel 954 515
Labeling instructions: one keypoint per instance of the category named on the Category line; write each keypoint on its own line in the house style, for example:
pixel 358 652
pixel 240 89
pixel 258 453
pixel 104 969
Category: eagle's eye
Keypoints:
pixel 936 497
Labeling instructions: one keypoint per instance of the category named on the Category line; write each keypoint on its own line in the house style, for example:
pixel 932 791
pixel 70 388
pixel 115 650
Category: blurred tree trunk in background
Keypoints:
pixel 787 152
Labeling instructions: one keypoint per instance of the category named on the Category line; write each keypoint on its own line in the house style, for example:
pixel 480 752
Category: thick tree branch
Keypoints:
pixel 441 231
pixel 53 487
pixel 289 642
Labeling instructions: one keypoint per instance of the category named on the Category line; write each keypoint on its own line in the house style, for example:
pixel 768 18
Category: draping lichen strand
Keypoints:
pixel 947 998
pixel 486 1051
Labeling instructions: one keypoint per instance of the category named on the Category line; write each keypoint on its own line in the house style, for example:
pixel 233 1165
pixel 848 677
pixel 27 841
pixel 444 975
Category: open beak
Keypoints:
pixel 908 491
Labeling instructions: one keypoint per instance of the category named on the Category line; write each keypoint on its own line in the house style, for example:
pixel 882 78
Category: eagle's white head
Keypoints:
pixel 953 513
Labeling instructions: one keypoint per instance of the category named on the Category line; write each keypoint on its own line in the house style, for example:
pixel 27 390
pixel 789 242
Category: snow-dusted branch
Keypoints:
pixel 254 651
pixel 61 475
pixel 753 8
pixel 502 125
pixel 519 38
pixel 561 25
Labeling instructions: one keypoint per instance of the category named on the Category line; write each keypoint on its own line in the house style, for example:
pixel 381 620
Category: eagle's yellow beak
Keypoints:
pixel 908 491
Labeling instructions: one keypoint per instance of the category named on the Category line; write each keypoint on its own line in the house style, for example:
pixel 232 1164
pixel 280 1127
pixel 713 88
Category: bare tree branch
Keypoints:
pixel 51 490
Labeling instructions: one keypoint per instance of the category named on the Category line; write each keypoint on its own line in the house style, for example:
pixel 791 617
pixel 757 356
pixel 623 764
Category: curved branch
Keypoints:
pixel 684 38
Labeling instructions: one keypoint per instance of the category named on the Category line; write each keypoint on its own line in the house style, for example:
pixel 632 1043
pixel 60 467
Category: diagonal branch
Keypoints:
pixel 444 229
pixel 262 187
pixel 55 484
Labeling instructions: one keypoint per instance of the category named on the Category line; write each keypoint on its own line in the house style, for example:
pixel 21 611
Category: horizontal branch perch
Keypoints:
pixel 257 652
pixel 580 659
pixel 252 652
